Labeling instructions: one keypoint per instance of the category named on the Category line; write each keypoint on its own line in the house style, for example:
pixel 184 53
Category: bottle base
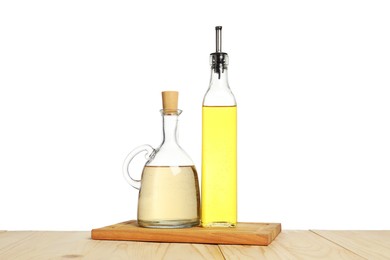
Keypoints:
pixel 218 224
pixel 187 223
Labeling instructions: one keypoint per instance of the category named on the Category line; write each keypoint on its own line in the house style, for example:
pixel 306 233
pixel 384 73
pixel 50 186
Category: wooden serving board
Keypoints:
pixel 261 234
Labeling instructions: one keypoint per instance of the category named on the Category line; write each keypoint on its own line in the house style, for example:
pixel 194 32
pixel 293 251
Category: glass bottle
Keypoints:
pixel 219 145
pixel 169 188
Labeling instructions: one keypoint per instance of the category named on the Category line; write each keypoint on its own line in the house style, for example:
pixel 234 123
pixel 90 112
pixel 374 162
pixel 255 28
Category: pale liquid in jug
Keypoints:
pixel 169 195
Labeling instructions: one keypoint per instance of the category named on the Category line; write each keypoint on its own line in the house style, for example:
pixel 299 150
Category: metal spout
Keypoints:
pixel 218 38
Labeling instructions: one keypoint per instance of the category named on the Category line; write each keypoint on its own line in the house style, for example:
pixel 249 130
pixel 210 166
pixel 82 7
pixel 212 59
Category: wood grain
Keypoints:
pixel 242 234
pixel 78 245
pixel 288 245
pixel 291 245
pixel 369 244
pixel 9 238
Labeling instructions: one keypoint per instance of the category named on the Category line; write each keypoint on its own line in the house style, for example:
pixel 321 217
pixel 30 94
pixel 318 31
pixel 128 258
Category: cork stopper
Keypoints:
pixel 170 100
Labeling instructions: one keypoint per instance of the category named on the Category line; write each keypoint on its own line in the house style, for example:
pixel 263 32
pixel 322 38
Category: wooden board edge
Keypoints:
pixel 222 238
pixel 275 231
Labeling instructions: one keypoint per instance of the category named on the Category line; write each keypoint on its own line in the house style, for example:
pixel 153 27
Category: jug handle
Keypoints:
pixel 150 152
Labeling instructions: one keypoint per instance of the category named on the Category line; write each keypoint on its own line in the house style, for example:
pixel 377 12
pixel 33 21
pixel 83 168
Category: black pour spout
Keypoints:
pixel 219 60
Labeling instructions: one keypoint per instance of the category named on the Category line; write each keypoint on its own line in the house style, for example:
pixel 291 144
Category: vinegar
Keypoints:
pixel 169 197
pixel 219 166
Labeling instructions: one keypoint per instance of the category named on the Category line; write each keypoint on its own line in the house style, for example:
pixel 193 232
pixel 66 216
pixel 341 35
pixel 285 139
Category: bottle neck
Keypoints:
pixel 219 77
pixel 170 122
pixel 219 92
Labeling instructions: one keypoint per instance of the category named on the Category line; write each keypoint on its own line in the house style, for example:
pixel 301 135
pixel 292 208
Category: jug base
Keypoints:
pixel 184 223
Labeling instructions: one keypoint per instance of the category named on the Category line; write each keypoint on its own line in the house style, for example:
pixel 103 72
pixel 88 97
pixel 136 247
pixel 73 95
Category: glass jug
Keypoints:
pixel 169 187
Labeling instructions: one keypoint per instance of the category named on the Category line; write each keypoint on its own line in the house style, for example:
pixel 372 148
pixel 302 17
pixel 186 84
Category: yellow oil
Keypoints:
pixel 219 166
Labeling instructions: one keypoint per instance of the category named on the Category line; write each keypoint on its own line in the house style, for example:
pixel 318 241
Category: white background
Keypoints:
pixel 80 86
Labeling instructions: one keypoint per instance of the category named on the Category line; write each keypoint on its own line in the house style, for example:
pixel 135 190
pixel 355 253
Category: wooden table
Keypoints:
pixel 313 244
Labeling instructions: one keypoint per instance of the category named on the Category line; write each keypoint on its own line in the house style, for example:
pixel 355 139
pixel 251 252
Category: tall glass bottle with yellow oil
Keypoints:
pixel 219 145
